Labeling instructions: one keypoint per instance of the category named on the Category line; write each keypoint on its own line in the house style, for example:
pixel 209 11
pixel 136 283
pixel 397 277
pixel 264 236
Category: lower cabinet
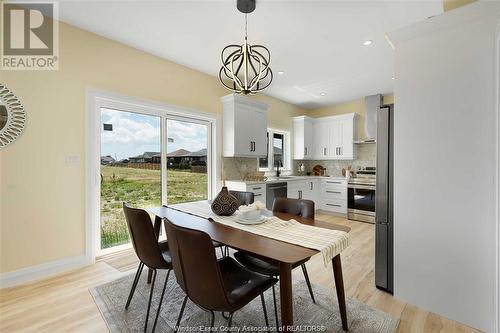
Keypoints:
pixel 328 194
pixel 258 189
pixel 333 195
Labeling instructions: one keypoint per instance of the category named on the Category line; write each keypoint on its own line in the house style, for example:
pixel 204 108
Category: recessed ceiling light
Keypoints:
pixel 367 42
pixel 281 72
pixel 323 94
pixel 392 78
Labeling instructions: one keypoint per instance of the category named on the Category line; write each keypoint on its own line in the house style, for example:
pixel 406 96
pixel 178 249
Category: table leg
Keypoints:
pixel 339 285
pixel 286 296
pixel 157 228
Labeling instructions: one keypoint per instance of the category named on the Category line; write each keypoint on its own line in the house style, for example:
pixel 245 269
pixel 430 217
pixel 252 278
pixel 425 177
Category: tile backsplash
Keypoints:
pixel 236 168
pixel 366 157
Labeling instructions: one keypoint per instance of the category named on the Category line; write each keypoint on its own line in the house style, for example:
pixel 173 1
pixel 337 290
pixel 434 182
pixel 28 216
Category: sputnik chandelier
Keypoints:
pixel 245 68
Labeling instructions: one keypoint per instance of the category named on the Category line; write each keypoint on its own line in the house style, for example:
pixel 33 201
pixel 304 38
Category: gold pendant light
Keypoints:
pixel 245 68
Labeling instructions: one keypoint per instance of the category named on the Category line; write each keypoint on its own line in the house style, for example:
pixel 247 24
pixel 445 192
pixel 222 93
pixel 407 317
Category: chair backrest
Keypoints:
pixel 143 237
pixel 244 198
pixel 196 267
pixel 298 207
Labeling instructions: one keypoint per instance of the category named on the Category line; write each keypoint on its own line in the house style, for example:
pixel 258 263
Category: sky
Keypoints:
pixel 135 133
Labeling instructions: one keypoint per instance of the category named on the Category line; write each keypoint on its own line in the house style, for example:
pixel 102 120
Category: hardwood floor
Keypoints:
pixel 63 303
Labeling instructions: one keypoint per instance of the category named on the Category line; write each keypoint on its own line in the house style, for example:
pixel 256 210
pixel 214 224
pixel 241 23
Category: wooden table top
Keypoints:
pixel 247 241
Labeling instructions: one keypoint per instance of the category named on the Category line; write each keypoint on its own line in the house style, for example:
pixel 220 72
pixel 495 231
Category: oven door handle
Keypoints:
pixel 361 187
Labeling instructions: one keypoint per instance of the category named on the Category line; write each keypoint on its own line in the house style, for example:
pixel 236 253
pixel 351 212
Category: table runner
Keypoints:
pixel 328 242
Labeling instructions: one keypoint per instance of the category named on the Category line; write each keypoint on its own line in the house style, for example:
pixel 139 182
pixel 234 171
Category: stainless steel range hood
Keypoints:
pixel 372 105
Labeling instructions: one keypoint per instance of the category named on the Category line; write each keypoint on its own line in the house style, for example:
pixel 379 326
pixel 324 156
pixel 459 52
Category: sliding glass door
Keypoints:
pixel 130 169
pixel 187 162
pixel 148 160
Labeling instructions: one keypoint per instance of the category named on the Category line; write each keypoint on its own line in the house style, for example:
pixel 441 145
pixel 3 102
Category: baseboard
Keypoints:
pixel 32 273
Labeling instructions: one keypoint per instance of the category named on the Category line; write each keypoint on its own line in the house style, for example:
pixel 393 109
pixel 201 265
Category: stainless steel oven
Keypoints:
pixel 361 199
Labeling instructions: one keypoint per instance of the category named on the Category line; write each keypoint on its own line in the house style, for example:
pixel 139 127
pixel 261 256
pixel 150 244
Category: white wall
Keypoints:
pixel 445 164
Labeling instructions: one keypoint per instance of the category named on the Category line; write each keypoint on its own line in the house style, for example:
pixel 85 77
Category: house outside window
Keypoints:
pixel 278 151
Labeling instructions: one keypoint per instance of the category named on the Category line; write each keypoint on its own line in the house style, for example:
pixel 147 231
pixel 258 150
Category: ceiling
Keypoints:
pixel 318 44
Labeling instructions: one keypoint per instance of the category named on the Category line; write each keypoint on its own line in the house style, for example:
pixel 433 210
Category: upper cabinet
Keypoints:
pixel 303 138
pixel 327 138
pixel 245 127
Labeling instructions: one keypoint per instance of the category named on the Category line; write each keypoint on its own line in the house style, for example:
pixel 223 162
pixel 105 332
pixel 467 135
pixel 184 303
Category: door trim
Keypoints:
pixel 95 100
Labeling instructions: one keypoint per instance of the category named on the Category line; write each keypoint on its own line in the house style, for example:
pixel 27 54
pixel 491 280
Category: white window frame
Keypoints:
pixel 98 99
pixel 287 153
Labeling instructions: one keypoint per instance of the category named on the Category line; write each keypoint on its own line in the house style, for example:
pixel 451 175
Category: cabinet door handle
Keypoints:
pixel 334 192
pixel 250 145
pixel 311 186
pixel 256 188
pixel 300 194
pixel 257 195
pixel 334 182
pixel 305 151
pixel 324 151
pixel 340 150
pixel 333 205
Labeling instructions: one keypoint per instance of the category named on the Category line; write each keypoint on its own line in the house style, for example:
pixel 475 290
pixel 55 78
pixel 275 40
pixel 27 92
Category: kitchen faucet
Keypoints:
pixel 278 164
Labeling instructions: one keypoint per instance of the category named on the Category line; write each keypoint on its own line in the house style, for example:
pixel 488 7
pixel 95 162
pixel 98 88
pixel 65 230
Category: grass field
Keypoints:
pixel 141 188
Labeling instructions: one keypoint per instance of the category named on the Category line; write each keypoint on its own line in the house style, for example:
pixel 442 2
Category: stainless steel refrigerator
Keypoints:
pixel 384 223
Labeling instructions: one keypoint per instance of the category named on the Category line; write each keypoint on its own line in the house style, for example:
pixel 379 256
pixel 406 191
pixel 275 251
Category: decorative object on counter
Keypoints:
pixel 347 173
pixel 224 204
pixel 318 170
pixel 255 176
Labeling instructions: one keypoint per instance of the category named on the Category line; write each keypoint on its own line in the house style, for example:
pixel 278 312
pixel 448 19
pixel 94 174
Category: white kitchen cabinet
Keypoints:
pixel 303 138
pixel 303 189
pixel 332 137
pixel 333 195
pixel 258 189
pixel 321 139
pixel 244 126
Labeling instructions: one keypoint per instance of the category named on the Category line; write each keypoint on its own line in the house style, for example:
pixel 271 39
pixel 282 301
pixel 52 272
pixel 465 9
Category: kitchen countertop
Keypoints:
pixel 282 179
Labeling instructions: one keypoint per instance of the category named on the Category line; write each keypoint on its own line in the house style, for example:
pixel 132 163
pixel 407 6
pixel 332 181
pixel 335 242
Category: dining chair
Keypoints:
pixel 266 266
pixel 215 285
pixel 244 198
pixel 151 253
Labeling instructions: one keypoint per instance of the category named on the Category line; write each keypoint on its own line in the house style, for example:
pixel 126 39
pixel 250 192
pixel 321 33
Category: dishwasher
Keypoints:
pixel 273 191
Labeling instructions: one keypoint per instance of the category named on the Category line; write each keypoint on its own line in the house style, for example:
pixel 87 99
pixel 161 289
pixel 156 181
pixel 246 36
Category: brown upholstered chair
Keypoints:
pixel 244 198
pixel 150 253
pixel 297 207
pixel 214 285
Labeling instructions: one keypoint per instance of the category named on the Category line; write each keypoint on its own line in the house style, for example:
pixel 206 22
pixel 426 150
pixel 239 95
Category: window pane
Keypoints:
pixel 130 169
pixel 187 146
pixel 263 162
pixel 278 148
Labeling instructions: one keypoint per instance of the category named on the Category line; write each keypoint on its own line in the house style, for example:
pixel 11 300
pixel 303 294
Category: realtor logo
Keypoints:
pixel 29 37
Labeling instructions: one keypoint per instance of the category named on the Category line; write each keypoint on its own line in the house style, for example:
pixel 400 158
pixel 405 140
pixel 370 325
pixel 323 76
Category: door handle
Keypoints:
pixel 300 194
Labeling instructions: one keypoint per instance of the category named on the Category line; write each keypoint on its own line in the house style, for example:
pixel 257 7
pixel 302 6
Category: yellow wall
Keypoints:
pixel 42 199
pixel 357 106
pixel 452 4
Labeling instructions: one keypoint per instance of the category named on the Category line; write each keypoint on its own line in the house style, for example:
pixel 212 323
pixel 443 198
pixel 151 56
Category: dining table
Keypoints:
pixel 286 254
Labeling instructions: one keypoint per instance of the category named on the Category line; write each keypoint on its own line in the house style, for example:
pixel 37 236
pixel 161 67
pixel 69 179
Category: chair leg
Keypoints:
pixel 275 308
pixel 150 299
pixel 230 320
pixel 212 321
pixel 265 310
pixel 161 300
pixel 304 270
pixel 180 314
pixel 134 285
pixel 226 250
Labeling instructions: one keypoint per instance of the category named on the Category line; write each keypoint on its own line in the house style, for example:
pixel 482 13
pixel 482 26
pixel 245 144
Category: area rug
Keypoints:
pixel 322 316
